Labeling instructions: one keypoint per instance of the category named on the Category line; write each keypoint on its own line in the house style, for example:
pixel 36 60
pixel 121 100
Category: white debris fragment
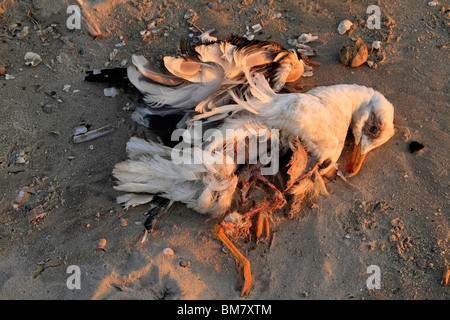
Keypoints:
pixel 307 37
pixel 113 54
pixel 376 45
pixel 110 92
pixel 256 27
pixel 432 4
pixel 123 63
pixel 344 26
pixel 9 77
pixel 67 87
pixel 32 58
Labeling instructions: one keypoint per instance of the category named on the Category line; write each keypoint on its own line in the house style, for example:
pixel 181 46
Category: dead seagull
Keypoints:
pixel 312 125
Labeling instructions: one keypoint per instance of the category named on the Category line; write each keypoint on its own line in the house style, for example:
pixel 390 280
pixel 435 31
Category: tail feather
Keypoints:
pixel 204 187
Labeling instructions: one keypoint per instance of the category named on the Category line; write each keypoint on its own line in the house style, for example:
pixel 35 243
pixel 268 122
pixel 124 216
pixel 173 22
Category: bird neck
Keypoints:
pixel 320 118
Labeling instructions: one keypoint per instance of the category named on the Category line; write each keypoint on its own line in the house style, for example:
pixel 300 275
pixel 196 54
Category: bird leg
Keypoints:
pixel 239 256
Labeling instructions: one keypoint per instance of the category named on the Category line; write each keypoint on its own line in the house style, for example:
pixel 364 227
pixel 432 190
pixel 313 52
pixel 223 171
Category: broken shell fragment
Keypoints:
pixel 307 37
pixel 354 56
pixel 376 45
pixel 94 134
pixel 79 130
pixel 32 59
pixel 36 213
pixel 20 198
pixel 168 252
pixel 256 27
pixel 344 26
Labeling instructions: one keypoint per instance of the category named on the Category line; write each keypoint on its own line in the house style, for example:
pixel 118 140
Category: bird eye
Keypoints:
pixel 373 129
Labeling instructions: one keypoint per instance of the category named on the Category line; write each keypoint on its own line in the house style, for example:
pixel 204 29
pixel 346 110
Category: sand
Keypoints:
pixel 393 215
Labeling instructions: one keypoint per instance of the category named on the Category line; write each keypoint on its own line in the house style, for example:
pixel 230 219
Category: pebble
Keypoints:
pixel 432 4
pixel 2 70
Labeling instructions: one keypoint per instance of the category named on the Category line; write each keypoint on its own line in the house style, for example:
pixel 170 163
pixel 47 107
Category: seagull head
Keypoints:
pixel 372 125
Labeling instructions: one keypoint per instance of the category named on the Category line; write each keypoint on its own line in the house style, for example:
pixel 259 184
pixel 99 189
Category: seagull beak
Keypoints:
pixel 356 161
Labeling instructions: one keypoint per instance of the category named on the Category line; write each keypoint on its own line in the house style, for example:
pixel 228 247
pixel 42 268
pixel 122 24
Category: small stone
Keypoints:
pixel 432 4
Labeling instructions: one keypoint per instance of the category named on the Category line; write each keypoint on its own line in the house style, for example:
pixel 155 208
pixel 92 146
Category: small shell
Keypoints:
pixel 376 45
pixel 432 3
pixel 9 77
pixel 344 26
pixel 94 134
pixel 32 58
pixel 67 87
pixel 100 245
pixel 21 196
pixel 307 37
pixel 79 130
pixel 113 54
pixel 168 252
